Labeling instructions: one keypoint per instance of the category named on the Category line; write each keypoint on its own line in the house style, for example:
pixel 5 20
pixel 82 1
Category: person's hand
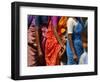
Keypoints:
pixel 75 57
pixel 62 51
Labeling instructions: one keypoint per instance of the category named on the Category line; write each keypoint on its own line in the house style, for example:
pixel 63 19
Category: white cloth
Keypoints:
pixel 84 58
pixel 71 23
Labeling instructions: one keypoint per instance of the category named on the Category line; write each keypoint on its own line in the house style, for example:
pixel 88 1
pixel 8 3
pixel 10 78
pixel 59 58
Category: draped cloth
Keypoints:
pixel 62 25
pixel 52 46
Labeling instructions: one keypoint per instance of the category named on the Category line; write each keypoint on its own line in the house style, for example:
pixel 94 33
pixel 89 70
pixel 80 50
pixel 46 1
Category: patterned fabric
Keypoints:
pixel 52 46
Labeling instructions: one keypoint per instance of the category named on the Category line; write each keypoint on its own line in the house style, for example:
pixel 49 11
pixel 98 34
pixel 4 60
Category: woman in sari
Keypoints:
pixel 54 48
pixel 35 54
pixel 40 23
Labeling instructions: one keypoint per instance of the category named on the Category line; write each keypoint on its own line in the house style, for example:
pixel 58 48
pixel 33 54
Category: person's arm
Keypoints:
pixel 37 22
pixel 72 47
pixel 54 20
pixel 38 42
pixel 70 25
pixel 57 36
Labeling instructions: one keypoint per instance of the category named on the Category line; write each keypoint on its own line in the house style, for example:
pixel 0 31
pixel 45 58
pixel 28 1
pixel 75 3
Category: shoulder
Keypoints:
pixel 70 19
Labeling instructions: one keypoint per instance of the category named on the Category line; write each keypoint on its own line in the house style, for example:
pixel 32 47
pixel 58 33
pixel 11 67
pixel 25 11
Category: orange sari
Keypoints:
pixel 52 46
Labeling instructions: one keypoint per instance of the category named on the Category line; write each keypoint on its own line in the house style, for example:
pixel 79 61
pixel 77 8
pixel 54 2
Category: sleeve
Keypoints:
pixel 70 25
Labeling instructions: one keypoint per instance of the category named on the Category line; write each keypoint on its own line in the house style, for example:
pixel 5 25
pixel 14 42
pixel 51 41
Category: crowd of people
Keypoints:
pixel 57 40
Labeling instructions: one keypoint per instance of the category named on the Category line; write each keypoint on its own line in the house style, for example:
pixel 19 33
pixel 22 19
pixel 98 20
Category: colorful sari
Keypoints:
pixel 62 25
pixel 52 46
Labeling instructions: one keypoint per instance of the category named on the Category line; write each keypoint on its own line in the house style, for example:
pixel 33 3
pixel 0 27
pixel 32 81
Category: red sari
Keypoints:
pixel 52 47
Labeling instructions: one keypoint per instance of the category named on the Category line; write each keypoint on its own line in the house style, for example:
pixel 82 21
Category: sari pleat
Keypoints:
pixel 52 46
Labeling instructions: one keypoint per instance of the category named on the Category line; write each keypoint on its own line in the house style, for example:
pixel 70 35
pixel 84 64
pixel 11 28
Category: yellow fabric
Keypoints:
pixel 63 30
pixel 62 24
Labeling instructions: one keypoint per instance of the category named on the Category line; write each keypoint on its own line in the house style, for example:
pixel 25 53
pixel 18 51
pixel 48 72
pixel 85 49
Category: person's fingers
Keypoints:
pixel 75 58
